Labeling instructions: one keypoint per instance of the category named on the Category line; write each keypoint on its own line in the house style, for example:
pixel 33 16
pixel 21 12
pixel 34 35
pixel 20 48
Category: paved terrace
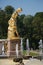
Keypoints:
pixel 26 62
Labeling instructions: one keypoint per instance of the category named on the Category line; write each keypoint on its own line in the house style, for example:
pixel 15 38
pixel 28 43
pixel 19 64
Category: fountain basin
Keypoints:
pixel 27 57
pixel 17 59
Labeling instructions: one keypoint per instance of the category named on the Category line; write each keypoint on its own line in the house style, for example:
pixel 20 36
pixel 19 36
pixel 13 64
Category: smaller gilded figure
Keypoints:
pixel 12 28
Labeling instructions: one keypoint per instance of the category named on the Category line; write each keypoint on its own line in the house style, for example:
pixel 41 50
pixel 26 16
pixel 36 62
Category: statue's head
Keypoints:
pixel 19 10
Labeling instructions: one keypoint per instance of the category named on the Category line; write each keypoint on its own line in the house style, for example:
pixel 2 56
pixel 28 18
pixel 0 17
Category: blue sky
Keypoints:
pixel 29 6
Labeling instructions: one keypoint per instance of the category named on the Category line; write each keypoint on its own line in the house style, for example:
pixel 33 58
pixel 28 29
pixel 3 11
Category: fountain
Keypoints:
pixel 14 45
pixel 27 45
pixel 3 53
pixel 40 49
pixel 27 56
pixel 22 46
pixel 13 36
pixel 13 39
pixel 3 48
pixel 18 59
pixel 17 50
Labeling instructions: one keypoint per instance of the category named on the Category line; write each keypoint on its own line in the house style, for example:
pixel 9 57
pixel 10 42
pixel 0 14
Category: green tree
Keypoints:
pixel 4 17
pixel 28 25
pixel 27 22
pixel 9 9
pixel 37 24
pixel 2 23
pixel 20 25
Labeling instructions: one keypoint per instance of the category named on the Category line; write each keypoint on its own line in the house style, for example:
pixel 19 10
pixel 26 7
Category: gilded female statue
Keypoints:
pixel 12 28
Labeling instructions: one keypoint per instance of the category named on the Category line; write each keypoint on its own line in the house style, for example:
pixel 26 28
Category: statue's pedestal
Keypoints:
pixel 12 47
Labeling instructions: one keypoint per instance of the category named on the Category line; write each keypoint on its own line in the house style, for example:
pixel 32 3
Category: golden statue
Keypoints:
pixel 12 29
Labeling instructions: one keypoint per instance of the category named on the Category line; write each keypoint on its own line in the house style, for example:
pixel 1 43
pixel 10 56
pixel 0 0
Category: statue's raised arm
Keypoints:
pixel 15 14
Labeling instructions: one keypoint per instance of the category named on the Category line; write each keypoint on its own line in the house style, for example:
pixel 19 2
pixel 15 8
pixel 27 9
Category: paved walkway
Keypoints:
pixel 33 62
pixel 26 62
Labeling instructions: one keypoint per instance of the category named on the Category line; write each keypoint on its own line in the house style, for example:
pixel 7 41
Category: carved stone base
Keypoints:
pixel 12 47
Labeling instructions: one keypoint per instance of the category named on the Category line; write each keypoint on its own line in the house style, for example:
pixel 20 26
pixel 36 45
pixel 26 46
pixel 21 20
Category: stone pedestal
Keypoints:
pixel 12 47
pixel 0 48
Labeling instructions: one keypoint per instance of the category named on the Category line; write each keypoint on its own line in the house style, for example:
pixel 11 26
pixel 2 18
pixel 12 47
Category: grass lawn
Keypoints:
pixel 31 53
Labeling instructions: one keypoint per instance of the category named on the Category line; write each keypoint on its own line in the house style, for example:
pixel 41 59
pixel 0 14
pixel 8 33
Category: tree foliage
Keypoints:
pixel 4 17
pixel 3 24
pixel 20 26
pixel 27 22
pixel 38 25
pixel 9 9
